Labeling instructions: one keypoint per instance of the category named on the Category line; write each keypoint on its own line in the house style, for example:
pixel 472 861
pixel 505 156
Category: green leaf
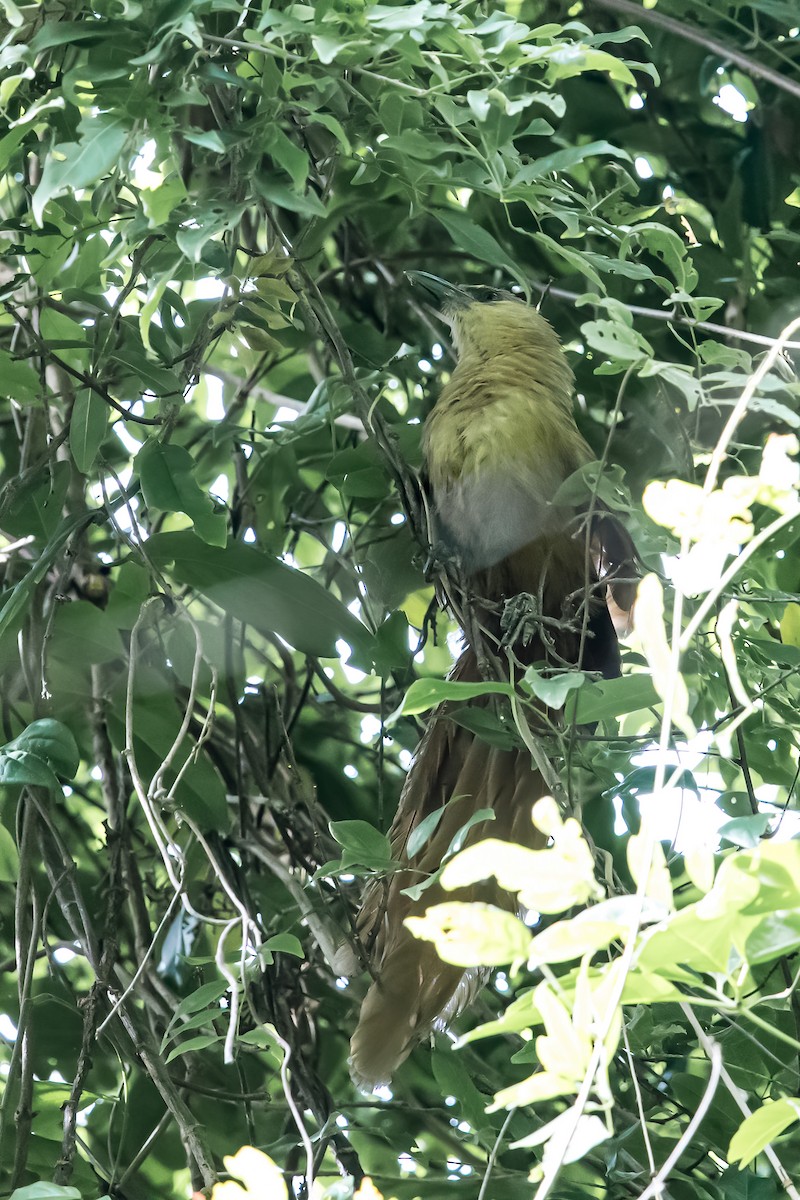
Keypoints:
pixel 166 472
pixel 477 818
pixel 421 835
pixel 263 592
pixel 493 728
pixel 18 768
pixel 147 376
pixel 553 690
pixel 476 241
pixel 775 935
pixel 16 601
pixel 35 507
pixel 199 1042
pixel 18 381
pixel 362 842
pixel 51 741
pixel 761 1128
pixel 427 693
pixel 746 832
pixel 285 943
pixel 608 698
pixel 9 857
pixel 562 160
pixel 83 633
pixel 72 166
pixel 45 1191
pixel 87 428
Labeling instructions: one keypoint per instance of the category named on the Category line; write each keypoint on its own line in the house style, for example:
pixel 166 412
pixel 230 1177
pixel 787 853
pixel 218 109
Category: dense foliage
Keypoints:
pixel 215 598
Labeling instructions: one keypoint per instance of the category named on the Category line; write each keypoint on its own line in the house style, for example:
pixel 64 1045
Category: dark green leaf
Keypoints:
pixel 262 592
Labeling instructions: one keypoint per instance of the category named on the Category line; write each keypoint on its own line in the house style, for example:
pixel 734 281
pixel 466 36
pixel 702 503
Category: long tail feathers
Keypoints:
pixel 414 990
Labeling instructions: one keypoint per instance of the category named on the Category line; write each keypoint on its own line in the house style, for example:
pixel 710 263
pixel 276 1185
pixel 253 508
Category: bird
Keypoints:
pixel 535 580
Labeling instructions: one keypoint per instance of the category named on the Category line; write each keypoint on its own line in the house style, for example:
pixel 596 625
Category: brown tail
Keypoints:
pixel 414 990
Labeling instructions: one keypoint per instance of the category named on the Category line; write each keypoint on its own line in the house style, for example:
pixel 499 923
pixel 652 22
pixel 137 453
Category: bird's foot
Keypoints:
pixel 520 620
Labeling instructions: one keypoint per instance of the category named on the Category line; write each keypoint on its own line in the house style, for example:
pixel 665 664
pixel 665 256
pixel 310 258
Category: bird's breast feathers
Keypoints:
pixel 494 467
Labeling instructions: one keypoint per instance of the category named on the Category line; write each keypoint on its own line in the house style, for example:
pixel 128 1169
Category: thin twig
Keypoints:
pixel 691 33
pixel 714 1052
pixel 492 1159
pixel 737 1096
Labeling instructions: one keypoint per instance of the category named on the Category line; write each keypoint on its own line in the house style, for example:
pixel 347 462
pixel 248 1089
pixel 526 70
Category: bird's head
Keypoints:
pixel 484 320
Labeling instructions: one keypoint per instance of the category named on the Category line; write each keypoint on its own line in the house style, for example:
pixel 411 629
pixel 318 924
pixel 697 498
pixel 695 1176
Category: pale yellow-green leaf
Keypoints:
pixel 790 625
pixel 565 1139
pixel 723 516
pixel 571 939
pixel 648 867
pixel 762 1127
pixel 673 503
pixel 779 474
pixel 472 935
pixel 260 1178
pixel 649 622
pixel 550 880
pixel 367 1191
pixel 547 817
pixel 228 1190
pixel 699 863
pixel 533 1090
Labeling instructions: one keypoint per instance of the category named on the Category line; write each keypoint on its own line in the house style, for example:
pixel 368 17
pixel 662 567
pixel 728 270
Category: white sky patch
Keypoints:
pixel 284 416
pixel 436 351
pixel 350 771
pixel 398 519
pixel 370 728
pixel 455 642
pixel 221 487
pixel 83 1116
pixel 8 1029
pixel 215 408
pixel 143 176
pixel 209 288
pixel 131 444
pixel 338 536
pixel 687 819
pixel 642 167
pixel 351 674
pixel 635 100
pixel 425 365
pixel 249 535
pixel 405 758
pixel 667 192
pixel 63 955
pixel 125 516
pixel 731 101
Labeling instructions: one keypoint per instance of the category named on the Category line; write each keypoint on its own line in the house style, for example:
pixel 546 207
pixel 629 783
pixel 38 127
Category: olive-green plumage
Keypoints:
pixel 497 446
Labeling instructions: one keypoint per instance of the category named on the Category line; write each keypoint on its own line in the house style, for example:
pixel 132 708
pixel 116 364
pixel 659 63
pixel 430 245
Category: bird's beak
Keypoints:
pixel 447 296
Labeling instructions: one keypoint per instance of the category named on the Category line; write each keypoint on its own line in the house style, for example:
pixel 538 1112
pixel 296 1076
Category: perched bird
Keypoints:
pixel 544 581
